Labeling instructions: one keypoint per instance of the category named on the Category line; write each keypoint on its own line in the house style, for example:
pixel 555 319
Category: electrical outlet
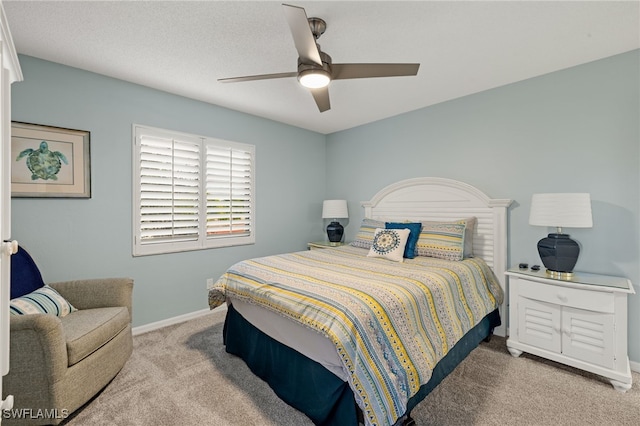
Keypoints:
pixel 209 282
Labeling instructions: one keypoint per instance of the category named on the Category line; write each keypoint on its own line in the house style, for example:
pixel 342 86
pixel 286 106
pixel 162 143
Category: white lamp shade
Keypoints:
pixel 561 210
pixel 334 209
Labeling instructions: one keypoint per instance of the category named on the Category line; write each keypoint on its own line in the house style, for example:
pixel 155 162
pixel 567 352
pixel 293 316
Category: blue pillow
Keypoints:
pixel 414 234
pixel 25 275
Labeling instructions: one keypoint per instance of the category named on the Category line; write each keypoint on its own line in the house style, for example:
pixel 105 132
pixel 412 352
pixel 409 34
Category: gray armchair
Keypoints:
pixel 57 364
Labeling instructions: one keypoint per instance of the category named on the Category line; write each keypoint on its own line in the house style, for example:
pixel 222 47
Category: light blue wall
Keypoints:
pixel 570 131
pixel 92 237
pixel 575 130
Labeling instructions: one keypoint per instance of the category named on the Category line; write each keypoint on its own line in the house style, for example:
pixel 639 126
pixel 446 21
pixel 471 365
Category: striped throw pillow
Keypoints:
pixel 44 300
pixel 469 232
pixel 364 237
pixel 441 240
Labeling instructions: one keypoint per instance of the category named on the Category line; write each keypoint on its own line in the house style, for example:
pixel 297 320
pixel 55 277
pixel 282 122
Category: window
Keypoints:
pixel 190 192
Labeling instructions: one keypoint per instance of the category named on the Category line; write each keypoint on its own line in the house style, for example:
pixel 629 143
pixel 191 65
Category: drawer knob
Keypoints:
pixel 563 298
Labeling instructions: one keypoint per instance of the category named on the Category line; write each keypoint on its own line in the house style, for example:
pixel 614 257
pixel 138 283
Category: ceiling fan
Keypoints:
pixel 315 70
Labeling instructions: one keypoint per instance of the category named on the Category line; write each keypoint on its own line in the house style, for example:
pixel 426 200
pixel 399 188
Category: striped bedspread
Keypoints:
pixel 390 322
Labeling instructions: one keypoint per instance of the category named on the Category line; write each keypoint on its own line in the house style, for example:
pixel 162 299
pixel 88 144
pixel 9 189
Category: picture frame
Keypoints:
pixel 49 162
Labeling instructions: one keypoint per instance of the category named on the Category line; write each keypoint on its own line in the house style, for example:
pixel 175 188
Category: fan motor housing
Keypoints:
pixel 326 63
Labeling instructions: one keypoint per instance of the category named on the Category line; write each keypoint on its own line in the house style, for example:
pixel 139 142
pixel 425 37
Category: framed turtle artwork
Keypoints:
pixel 49 162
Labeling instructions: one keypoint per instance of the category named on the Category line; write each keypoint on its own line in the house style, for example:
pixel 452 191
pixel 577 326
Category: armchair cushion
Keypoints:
pixel 44 300
pixel 87 330
pixel 25 275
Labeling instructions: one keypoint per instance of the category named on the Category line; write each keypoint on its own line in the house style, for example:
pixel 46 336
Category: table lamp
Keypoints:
pixel 334 210
pixel 558 252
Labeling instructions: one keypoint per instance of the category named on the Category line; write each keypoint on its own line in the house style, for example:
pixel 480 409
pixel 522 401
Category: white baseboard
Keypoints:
pixel 635 366
pixel 141 329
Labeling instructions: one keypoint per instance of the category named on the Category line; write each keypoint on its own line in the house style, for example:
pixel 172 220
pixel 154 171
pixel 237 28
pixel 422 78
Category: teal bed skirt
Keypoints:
pixel 312 389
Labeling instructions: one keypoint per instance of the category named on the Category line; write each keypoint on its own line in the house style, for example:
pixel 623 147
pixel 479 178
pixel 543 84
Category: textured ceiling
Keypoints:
pixel 463 47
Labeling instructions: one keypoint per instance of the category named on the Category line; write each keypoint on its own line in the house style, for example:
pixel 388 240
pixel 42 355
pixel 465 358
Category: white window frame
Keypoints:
pixel 147 246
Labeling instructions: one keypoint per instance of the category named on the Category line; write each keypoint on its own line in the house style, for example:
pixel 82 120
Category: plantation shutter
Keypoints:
pixel 191 192
pixel 229 186
pixel 169 189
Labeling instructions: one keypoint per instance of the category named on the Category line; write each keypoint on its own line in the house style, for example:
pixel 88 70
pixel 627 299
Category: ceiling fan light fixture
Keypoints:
pixel 314 78
pixel 315 67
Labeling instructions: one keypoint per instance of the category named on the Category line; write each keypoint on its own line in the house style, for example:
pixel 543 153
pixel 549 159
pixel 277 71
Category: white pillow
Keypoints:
pixel 389 243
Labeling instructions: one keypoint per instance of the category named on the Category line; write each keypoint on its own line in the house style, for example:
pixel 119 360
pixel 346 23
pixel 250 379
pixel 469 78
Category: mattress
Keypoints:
pixel 303 340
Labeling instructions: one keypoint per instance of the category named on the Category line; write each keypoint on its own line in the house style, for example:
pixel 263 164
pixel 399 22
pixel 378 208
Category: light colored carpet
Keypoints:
pixel 182 375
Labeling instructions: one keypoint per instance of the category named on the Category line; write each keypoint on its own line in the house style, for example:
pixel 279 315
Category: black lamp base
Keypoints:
pixel 335 232
pixel 559 254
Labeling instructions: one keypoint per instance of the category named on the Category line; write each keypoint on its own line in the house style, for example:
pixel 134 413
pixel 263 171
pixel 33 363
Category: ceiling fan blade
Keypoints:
pixel 302 36
pixel 321 97
pixel 257 77
pixel 345 71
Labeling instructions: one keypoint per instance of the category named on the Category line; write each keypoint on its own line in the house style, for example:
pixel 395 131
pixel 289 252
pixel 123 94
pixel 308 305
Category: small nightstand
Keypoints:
pixel 581 322
pixel 319 245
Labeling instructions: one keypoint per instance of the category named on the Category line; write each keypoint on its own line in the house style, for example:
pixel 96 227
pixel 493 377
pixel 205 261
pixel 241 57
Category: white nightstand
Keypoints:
pixel 581 322
pixel 318 245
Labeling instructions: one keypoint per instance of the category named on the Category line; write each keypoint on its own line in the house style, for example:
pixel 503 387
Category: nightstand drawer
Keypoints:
pixel 583 299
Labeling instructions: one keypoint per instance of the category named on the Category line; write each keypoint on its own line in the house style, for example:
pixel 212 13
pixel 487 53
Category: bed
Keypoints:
pixel 348 336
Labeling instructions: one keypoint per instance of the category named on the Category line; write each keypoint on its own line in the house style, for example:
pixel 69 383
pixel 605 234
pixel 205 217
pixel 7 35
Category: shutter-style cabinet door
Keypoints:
pixel 588 336
pixel 539 324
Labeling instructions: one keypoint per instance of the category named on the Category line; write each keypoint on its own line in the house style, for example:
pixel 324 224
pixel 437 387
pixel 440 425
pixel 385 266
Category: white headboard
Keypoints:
pixel 440 199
